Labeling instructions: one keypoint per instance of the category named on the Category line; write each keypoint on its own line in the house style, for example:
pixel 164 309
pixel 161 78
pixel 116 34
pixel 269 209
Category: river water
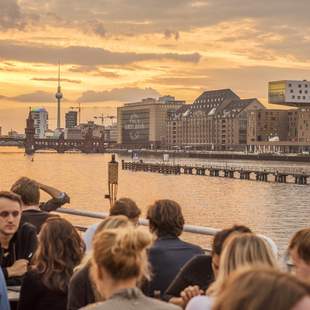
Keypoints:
pixel 276 210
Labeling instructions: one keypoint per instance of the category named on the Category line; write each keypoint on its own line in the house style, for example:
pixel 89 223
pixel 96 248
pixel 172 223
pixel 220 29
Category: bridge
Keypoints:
pixel 89 144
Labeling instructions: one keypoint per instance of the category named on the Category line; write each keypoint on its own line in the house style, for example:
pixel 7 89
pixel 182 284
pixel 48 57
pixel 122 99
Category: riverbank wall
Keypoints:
pixel 214 155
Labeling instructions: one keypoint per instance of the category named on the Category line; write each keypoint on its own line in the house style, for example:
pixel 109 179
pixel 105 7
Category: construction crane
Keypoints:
pixel 103 117
pixel 78 109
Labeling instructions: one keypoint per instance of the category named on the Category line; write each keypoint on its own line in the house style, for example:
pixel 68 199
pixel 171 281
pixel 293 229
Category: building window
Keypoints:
pixel 291 91
pixel 289 85
pixel 299 85
pixel 298 97
pixel 293 97
pixel 303 97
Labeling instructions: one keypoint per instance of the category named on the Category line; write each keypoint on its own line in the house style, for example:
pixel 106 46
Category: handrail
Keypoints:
pixel 187 228
pixel 102 215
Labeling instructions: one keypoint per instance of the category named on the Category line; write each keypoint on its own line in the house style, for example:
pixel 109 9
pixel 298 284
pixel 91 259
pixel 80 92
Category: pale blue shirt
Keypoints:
pixel 89 235
pixel 4 302
pixel 200 303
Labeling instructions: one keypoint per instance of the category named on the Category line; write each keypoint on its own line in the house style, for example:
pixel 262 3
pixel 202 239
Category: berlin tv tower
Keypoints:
pixel 58 96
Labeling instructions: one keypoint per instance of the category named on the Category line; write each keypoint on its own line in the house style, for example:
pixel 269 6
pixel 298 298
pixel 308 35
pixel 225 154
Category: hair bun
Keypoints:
pixel 131 241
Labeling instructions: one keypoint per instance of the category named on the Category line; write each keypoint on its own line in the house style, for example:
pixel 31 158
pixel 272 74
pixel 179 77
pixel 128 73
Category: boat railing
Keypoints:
pixel 102 215
pixel 193 229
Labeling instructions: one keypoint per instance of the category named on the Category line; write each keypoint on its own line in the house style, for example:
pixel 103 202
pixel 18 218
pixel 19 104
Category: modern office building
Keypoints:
pixel 144 123
pixel 110 133
pixel 40 117
pixel 289 92
pixel 71 119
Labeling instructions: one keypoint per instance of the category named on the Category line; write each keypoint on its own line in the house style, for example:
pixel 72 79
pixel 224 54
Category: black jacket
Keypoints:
pixel 35 217
pixel 81 290
pixel 21 246
pixel 54 203
pixel 167 256
pixel 34 295
pixel 197 271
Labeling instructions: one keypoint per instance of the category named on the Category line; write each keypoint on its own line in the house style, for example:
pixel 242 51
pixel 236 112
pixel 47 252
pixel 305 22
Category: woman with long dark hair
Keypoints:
pixel 46 284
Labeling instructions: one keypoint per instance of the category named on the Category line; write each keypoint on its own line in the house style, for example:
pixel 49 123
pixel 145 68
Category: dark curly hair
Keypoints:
pixel 60 250
pixel 166 218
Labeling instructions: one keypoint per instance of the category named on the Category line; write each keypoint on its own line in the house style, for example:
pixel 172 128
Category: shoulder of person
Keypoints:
pixel 200 303
pixel 32 275
pixel 80 274
pixel 26 228
pixel 200 259
pixel 193 246
pixel 92 228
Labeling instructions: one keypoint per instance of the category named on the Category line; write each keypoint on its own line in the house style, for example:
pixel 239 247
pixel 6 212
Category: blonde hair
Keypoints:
pixel 122 252
pixel 242 250
pixel 261 288
pixel 111 222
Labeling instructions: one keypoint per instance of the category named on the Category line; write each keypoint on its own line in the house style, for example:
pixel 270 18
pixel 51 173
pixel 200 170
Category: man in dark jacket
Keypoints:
pixel 34 212
pixel 17 243
pixel 169 253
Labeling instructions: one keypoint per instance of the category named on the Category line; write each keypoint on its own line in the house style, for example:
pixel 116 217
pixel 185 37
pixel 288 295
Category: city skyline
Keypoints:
pixel 115 52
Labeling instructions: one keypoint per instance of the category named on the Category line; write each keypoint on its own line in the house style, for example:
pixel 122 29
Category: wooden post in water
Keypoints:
pixel 112 180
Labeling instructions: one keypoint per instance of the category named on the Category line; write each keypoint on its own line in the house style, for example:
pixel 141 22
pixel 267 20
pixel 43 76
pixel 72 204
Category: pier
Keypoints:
pixel 260 174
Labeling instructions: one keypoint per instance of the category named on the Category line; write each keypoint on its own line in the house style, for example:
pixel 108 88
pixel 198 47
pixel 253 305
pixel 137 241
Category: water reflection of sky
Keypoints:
pixel 276 210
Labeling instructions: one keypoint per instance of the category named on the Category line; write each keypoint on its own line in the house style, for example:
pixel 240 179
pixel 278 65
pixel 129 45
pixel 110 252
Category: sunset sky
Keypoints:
pixel 116 51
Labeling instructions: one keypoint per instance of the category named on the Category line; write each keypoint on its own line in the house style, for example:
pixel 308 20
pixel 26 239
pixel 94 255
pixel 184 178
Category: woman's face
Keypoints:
pixel 215 264
pixel 304 304
pixel 301 268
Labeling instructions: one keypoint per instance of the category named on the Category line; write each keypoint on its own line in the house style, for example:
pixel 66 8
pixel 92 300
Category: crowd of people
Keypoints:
pixel 116 264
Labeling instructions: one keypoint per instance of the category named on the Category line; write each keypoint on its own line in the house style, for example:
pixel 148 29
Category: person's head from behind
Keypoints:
pixel 60 249
pixel 242 250
pixel 165 218
pixel 263 288
pixel 28 190
pixel 120 258
pixel 127 207
pixel 219 240
pixel 10 213
pixel 113 222
pixel 299 250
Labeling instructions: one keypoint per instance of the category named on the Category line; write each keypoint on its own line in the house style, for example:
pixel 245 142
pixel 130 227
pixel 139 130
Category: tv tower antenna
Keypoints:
pixel 58 96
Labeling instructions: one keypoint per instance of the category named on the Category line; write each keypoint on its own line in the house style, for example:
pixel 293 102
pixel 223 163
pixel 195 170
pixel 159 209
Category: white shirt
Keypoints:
pixel 200 303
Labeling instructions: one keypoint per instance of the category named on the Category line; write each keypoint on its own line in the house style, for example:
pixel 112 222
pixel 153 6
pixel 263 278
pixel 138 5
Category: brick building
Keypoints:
pixel 299 125
pixel 216 119
pixel 267 124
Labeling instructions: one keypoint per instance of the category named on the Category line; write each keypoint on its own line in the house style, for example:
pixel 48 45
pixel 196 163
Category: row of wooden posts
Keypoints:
pixel 258 174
